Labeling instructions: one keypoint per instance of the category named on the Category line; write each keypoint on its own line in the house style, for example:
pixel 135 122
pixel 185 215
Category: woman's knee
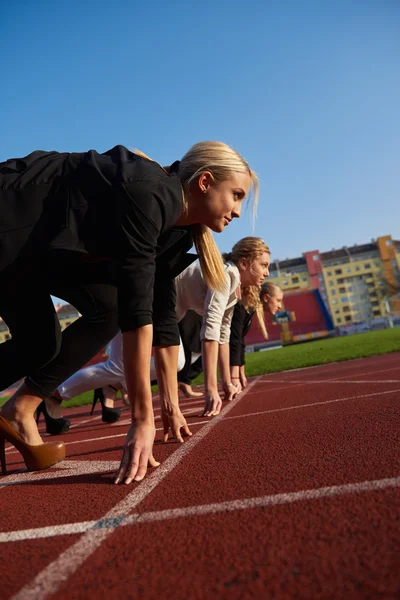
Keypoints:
pixel 40 349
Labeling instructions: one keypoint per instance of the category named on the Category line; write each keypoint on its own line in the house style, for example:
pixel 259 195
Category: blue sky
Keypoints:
pixel 308 92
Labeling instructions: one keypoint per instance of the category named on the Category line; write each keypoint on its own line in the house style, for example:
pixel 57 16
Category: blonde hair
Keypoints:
pixel 250 248
pixel 221 161
pixel 269 288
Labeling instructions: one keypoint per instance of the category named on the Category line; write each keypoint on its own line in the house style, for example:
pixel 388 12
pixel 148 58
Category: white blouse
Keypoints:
pixel 216 307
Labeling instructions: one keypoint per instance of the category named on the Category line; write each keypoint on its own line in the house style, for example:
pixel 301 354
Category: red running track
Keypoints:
pixel 293 492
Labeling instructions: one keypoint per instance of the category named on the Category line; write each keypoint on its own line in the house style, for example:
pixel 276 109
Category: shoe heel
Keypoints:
pixel 108 415
pixel 39 411
pixel 3 455
pixel 97 395
pixel 36 458
pixel 54 426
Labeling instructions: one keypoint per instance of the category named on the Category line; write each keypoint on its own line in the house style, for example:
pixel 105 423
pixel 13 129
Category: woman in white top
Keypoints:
pixel 246 267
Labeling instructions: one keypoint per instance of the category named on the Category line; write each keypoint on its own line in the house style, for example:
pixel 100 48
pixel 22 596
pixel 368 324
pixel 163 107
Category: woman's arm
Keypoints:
pixel 213 401
pixel 229 387
pixel 139 443
pixel 166 359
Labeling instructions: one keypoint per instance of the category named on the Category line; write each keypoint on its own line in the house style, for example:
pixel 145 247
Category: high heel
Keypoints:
pixel 36 458
pixel 53 426
pixel 108 415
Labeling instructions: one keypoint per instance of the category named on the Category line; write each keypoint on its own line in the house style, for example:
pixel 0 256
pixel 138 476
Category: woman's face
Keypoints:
pixel 273 304
pixel 215 203
pixel 255 272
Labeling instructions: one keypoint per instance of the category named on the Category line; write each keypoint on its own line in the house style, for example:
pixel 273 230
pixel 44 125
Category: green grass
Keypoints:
pixel 321 352
pixel 318 352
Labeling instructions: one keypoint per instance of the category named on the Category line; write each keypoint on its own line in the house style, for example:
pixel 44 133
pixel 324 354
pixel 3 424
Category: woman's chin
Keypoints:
pixel 217 227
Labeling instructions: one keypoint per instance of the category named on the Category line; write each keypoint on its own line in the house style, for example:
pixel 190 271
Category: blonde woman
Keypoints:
pixel 270 300
pixel 67 218
pixel 246 267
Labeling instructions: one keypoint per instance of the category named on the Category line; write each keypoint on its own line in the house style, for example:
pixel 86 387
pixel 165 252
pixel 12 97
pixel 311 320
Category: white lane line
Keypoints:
pixel 109 437
pixel 200 510
pixel 275 410
pixel 263 380
pixel 254 414
pixel 49 580
pixel 67 468
pixel 316 382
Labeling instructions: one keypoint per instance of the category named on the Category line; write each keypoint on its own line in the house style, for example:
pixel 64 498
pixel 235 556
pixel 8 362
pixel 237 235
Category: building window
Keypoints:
pixel 334 301
pixel 340 281
pixel 348 270
pixel 315 257
pixel 339 320
pixel 337 311
pixel 344 299
pixel 285 282
pixel 388 242
pixel 331 283
pixel 367 266
pixel 333 292
pixel 304 278
pixel 377 263
pixel 329 273
pixel 342 290
pixel 347 318
pixel 338 271
pixel 295 280
pixel 357 268
pixel 375 303
pixel 346 308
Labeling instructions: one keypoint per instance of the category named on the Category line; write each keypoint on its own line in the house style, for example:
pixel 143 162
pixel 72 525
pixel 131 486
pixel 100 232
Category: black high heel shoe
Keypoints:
pixel 108 415
pixel 53 426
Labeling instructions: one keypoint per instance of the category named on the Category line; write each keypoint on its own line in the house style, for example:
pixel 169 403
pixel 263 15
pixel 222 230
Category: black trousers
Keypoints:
pixel 189 329
pixel 38 350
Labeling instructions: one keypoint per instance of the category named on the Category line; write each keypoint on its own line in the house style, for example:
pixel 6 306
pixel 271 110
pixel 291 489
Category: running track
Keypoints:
pixel 292 492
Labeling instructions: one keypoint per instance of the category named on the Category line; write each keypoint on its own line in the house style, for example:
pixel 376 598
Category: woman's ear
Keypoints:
pixel 243 264
pixel 265 298
pixel 204 181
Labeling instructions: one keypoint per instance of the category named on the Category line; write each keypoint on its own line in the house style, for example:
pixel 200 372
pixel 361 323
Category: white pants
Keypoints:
pixel 106 373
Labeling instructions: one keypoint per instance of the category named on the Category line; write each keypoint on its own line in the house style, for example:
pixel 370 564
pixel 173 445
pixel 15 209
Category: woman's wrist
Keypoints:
pixel 211 388
pixel 228 383
pixel 140 417
pixel 169 405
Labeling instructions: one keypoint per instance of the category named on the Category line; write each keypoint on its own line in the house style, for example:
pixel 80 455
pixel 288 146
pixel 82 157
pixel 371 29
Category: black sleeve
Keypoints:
pixel 139 219
pixel 165 332
pixel 236 339
pixel 246 326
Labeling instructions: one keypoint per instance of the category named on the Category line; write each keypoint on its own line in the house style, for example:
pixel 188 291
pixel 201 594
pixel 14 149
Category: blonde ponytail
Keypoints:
pixel 212 266
pixel 251 301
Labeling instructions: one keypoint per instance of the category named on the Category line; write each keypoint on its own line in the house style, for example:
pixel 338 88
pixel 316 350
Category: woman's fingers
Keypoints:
pixel 153 462
pixel 186 431
pixel 212 407
pixel 165 427
pixel 178 424
pixel 137 454
pixel 179 427
pixel 124 464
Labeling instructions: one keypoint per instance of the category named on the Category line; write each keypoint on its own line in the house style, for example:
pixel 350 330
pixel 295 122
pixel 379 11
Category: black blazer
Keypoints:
pixel 240 325
pixel 116 206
